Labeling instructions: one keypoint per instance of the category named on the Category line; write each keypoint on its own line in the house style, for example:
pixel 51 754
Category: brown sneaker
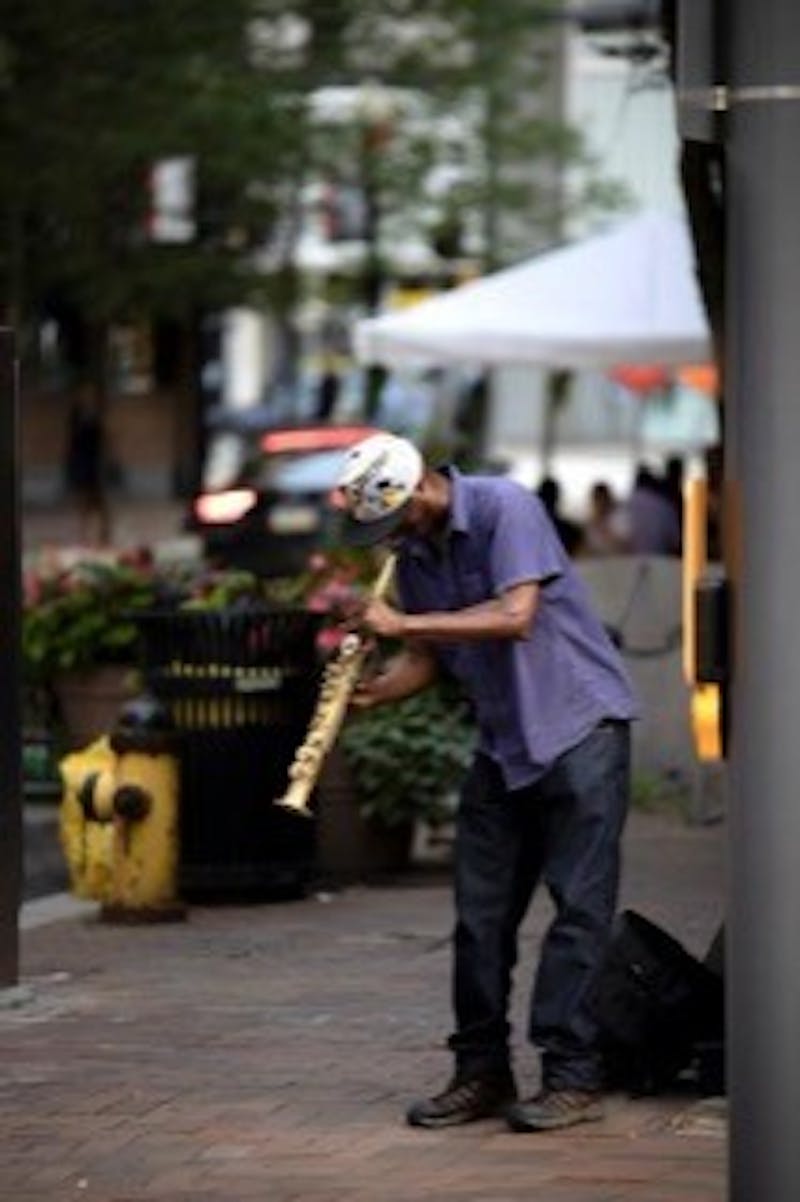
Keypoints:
pixel 554 1108
pixel 463 1101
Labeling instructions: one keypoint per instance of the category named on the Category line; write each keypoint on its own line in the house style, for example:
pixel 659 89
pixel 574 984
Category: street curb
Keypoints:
pixel 54 907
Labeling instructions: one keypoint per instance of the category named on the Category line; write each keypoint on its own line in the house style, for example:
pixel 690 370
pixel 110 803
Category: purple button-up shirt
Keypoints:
pixel 534 698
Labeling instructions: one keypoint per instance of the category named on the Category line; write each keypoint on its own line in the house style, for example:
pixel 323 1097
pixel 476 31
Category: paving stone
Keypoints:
pixel 269 1052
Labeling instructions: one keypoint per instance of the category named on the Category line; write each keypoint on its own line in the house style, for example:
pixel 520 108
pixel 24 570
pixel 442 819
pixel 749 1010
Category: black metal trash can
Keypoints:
pixel 240 686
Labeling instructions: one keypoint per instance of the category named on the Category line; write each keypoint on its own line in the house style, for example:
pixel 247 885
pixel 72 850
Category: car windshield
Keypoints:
pixel 314 471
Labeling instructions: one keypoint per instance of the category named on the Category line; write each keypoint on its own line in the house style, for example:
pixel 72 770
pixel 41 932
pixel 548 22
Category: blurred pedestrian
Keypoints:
pixel 86 468
pixel 673 489
pixel 606 530
pixel 549 493
pixel 488 594
pixel 654 525
pixel 406 403
pixel 328 390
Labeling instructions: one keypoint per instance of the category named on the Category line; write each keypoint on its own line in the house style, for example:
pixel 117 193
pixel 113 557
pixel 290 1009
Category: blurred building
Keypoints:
pixel 357 246
pixel 616 91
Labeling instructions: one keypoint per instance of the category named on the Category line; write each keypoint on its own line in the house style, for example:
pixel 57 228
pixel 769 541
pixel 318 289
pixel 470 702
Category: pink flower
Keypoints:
pixel 31 589
pixel 318 563
pixel 335 594
pixel 137 557
pixel 329 639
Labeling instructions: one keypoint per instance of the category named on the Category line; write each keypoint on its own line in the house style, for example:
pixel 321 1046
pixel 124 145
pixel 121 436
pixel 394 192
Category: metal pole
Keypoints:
pixel 10 721
pixel 763 516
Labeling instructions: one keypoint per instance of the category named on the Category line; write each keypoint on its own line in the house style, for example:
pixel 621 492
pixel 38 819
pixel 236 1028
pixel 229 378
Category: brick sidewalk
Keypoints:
pixel 268 1052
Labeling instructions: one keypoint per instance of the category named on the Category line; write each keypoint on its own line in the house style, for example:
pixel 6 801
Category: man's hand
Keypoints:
pixel 406 673
pixel 367 693
pixel 381 619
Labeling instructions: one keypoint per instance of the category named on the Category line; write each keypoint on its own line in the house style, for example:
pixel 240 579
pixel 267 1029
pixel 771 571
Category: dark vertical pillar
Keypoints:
pixel 373 138
pixel 763 531
pixel 10 721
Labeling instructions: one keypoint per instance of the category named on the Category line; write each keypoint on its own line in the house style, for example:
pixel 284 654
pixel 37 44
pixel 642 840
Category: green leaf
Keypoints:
pixel 407 758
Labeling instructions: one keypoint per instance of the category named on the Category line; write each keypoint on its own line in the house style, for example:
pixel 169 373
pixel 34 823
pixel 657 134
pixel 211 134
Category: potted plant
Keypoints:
pixel 79 637
pixel 408 758
pixel 395 766
pixel 79 628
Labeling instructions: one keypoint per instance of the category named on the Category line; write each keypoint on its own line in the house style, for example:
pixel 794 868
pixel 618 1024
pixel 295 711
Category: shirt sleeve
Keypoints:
pixel 524 544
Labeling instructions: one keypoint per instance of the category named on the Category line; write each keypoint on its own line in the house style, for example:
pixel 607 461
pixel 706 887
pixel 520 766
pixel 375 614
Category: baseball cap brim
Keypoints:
pixel 367 534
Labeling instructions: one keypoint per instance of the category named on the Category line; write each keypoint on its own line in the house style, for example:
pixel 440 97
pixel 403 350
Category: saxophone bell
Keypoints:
pixel 295 800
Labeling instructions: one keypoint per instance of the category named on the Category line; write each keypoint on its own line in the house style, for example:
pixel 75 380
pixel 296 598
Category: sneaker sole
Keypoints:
pixel 590 1115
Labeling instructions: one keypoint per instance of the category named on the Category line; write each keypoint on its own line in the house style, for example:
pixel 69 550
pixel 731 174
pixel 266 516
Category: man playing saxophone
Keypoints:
pixel 487 594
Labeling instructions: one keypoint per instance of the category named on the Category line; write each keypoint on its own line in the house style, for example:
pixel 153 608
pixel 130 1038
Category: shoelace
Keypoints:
pixel 465 1092
pixel 565 1101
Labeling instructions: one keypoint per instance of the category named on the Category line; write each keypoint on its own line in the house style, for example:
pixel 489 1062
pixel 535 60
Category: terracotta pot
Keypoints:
pixel 349 846
pixel 90 701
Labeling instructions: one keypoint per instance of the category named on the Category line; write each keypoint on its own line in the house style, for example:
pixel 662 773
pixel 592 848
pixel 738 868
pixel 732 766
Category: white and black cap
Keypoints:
pixel 375 486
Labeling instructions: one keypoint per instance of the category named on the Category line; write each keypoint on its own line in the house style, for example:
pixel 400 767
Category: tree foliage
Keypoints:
pixel 92 93
pixel 492 127
pixel 492 78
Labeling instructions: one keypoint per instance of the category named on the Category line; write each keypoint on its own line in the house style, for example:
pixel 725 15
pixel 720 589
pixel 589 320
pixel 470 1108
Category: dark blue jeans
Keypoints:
pixel 564 830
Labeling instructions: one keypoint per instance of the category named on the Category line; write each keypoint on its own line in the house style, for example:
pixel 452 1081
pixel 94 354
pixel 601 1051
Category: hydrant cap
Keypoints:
pixel 144 724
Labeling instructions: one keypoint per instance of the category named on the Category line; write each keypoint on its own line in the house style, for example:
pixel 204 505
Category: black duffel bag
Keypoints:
pixel 655 1004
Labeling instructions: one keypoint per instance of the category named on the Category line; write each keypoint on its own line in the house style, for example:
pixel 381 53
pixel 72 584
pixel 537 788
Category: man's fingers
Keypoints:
pixel 362 697
pixel 352 617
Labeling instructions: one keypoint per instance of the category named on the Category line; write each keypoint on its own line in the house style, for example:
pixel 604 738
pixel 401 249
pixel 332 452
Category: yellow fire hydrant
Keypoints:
pixel 87 843
pixel 132 795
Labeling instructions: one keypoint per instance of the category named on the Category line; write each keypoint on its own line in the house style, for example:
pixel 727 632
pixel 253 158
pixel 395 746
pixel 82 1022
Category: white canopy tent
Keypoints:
pixel 625 296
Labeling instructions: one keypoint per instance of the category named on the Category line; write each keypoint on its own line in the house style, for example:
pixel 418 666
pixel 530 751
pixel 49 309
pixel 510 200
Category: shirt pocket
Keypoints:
pixel 473 587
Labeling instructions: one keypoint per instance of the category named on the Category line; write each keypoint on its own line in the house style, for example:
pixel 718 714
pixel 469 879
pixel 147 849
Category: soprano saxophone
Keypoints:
pixel 338 681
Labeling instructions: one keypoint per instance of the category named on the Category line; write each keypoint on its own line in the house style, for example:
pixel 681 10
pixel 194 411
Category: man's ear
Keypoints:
pixel 424 487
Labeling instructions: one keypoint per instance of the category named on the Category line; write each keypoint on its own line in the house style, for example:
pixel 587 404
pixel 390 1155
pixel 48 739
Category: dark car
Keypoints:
pixel 275 514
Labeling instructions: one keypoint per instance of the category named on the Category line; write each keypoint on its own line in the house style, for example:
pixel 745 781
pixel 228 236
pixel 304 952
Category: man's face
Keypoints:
pixel 419 520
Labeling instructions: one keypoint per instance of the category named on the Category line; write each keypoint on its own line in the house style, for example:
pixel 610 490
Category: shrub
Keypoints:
pixel 409 758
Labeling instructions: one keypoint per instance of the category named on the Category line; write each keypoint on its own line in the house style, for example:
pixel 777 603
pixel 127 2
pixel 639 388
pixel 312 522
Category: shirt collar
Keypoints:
pixel 458 521
pixel 459 517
